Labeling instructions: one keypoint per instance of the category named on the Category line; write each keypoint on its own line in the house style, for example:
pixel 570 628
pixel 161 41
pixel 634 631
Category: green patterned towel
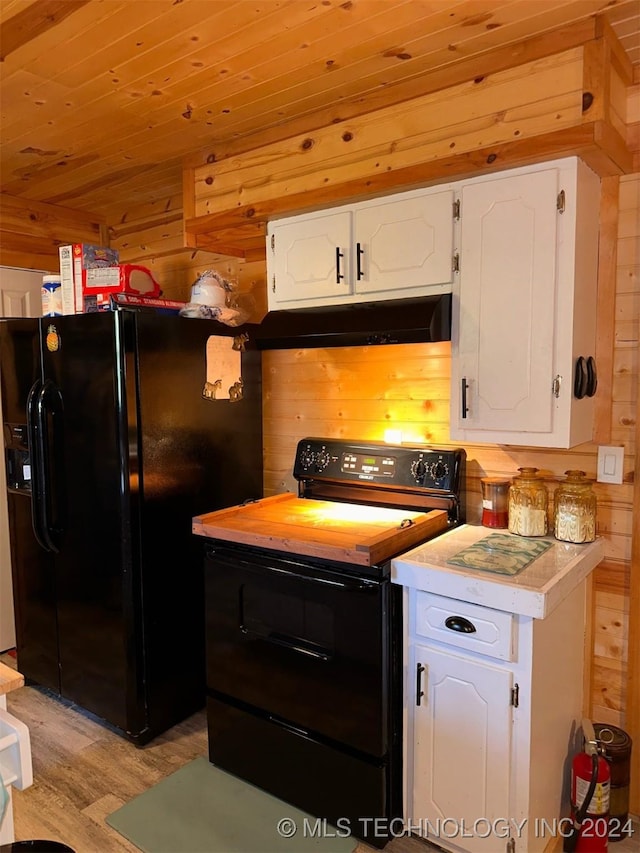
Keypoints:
pixel 500 552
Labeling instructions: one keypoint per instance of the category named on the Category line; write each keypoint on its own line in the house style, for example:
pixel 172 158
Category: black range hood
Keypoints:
pixel 400 321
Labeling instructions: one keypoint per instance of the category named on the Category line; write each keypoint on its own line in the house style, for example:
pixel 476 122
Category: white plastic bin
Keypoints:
pixel 15 766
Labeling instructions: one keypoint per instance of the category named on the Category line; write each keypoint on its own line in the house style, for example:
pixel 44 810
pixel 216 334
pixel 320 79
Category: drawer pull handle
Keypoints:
pixel 460 624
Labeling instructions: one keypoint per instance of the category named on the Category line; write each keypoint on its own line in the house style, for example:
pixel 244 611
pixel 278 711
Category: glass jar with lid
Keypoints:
pixel 574 514
pixel 495 501
pixel 528 504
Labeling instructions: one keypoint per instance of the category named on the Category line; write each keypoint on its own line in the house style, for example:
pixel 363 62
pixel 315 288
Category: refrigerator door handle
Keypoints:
pixel 37 471
pixel 49 431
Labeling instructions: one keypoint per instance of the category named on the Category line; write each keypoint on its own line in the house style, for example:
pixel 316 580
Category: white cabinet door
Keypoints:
pixel 309 258
pixel 404 244
pixel 462 733
pixel 507 303
pixel 524 308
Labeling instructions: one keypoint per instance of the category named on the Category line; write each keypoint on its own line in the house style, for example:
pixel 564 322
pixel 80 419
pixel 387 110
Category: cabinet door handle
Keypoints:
pixel 592 376
pixel 460 624
pixel 580 379
pixel 464 385
pixel 419 690
pixel 359 254
pixel 339 275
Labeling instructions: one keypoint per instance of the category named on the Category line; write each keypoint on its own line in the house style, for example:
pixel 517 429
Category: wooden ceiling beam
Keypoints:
pixel 583 140
pixel 36 19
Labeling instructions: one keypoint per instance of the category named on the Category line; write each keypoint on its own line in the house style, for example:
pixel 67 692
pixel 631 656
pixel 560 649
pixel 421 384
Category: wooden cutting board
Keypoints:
pixel 348 533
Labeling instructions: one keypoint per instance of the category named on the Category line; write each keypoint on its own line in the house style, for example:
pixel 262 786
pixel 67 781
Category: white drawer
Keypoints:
pixel 466 626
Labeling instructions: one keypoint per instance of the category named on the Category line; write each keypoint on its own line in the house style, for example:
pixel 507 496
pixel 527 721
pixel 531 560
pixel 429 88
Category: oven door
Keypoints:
pixel 301 644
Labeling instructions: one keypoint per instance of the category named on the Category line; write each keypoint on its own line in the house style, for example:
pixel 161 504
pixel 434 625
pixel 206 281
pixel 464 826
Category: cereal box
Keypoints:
pixel 77 261
pixel 125 278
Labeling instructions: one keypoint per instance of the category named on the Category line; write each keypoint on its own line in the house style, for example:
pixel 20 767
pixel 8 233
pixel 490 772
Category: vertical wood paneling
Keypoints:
pixel 629 283
pixel 607 261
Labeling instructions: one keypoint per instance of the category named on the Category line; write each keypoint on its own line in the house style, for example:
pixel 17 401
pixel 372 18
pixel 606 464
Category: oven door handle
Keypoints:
pixel 346 585
pixel 349 585
pixel 293 643
pixel 234 560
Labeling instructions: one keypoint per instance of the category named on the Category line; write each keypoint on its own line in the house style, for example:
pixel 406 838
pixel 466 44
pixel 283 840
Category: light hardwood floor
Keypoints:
pixel 83 771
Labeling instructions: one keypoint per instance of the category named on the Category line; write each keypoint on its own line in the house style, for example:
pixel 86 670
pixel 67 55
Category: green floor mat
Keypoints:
pixel 202 809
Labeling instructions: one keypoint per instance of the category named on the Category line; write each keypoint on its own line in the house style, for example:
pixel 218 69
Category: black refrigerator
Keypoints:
pixel 117 432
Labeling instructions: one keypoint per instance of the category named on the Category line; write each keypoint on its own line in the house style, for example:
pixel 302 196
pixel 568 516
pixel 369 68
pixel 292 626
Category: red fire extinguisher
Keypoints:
pixel 590 782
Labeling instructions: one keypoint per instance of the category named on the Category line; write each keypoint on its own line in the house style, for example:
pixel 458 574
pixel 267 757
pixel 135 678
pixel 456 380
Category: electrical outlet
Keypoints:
pixel 610 464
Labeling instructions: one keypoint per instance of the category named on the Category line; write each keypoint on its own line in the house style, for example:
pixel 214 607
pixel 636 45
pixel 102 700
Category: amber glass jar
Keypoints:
pixel 528 504
pixel 575 509
pixel 495 501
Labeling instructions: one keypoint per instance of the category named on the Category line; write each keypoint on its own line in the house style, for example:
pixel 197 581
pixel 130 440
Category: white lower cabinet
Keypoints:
pixel 493 703
pixel 473 736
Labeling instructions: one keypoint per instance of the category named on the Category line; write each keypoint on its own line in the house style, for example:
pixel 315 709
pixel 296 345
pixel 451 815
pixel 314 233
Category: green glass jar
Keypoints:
pixel 528 504
pixel 574 515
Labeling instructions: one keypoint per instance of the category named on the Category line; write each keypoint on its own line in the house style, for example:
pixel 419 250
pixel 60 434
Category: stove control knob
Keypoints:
pixel 438 470
pixel 307 458
pixel 418 470
pixel 322 460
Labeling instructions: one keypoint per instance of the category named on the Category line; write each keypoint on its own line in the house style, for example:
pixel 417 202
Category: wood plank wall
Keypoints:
pixel 148 234
pixel 360 392
pixel 177 271
pixel 478 124
pixel 611 594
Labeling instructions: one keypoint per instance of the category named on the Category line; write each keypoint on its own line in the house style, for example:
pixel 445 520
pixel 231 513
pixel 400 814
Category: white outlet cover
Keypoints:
pixel 610 464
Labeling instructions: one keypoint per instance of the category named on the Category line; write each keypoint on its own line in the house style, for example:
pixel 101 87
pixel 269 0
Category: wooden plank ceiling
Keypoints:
pixel 100 99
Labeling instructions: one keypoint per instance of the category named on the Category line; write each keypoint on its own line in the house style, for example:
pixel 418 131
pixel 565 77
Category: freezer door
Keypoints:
pixel 34 598
pixel 32 567
pixel 19 366
pixel 88 494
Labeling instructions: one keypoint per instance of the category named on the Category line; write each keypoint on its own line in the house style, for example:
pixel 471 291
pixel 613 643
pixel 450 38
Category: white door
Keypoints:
pixel 462 748
pixel 507 305
pixel 20 296
pixel 404 244
pixel 309 260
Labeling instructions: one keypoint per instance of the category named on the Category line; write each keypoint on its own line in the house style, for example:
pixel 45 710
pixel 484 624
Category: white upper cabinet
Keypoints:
pixel 404 244
pixel 396 247
pixel 524 309
pixel 524 244
pixel 308 258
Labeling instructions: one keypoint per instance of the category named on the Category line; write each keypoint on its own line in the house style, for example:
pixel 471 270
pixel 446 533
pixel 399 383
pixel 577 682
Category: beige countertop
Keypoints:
pixel 535 591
